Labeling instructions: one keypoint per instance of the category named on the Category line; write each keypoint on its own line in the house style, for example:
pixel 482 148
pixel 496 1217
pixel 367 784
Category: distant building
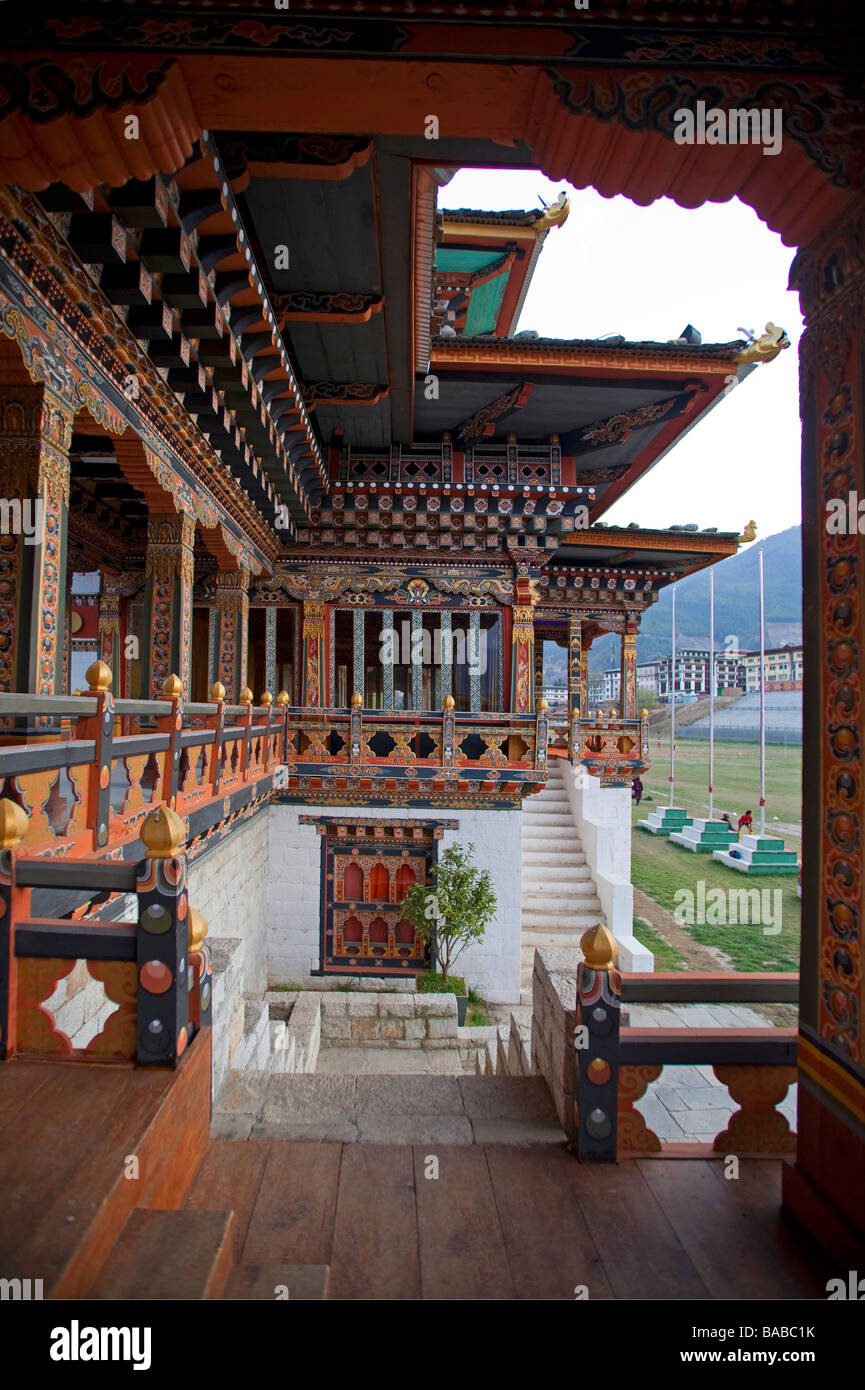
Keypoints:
pixel 784 669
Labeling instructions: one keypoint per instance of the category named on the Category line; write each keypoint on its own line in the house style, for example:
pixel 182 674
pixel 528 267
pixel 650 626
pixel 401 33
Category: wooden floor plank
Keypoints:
pixel 19 1083
pixel 375 1242
pixel 292 1219
pixel 641 1253
pixel 799 1263
pixel 229 1179
pixel 462 1248
pixel 549 1247
pixel 731 1241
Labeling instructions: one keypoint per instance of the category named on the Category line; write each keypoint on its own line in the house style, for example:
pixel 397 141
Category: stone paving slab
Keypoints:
pixel 515 1097
pixel 308 1099
pixel 377 1127
pixel 439 1095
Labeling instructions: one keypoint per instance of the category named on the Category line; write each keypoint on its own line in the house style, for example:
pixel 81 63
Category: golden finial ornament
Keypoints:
pixel 599 948
pixel 172 687
pixel 98 676
pixel 266 698
pixel 749 533
pixel 13 823
pixel 356 700
pixel 163 833
pixel 245 696
pixel 449 702
pixel 542 706
pixel 217 691
pixel 283 698
pixel 198 930
pixel 644 714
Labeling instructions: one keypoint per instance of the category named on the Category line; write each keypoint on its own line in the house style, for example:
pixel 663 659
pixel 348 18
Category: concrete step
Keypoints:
pixel 538 877
pixel 589 915
pixel 560 859
pixel 581 897
pixel 546 834
pixel 559 897
pixel 169 1254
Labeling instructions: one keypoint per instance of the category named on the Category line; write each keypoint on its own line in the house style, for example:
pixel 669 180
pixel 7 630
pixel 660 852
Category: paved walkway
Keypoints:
pixel 388 1061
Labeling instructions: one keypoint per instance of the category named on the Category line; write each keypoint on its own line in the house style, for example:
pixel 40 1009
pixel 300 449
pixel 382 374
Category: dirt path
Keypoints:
pixel 696 956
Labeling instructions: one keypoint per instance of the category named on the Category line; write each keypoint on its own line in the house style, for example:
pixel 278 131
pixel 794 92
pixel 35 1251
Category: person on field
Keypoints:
pixel 637 790
pixel 746 820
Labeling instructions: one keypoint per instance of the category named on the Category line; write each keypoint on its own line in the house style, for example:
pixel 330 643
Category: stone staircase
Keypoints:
pixel 559 899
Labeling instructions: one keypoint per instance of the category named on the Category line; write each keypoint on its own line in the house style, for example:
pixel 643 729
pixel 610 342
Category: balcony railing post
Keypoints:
pixel 267 701
pixel 644 736
pixel 171 724
pixel 99 727
pixel 596 1047
pixel 163 941
pixel 246 720
pixel 283 701
pixel 216 722
pixel 542 734
pixel 14 905
pixel 355 735
pixel 449 734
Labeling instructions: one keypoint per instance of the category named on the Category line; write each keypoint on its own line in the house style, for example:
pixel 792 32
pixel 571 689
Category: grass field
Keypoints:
pixel 659 868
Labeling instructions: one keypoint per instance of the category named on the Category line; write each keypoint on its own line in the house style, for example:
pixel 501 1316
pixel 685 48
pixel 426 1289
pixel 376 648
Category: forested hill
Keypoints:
pixel 736 606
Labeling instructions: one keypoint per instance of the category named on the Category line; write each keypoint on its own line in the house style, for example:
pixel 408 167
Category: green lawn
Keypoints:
pixel 736 780
pixel 659 868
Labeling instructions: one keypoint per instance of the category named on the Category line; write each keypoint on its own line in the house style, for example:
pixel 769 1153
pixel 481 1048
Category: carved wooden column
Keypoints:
pixel 313 653
pixel 232 617
pixel 824 1188
pixel 575 708
pixel 168 600
pixel 35 433
pixel 523 640
pixel 114 589
pixel 628 672
pixel 584 681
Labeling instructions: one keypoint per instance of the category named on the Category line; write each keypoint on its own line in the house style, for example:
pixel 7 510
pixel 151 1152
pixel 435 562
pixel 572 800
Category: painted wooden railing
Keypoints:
pixel 375 746
pixel 155 968
pixel 616 1064
pixel 614 749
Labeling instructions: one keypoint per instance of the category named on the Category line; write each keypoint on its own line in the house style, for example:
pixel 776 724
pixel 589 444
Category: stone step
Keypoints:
pixel 544 818
pixel 169 1254
pixel 253 1050
pixel 546 834
pixel 546 799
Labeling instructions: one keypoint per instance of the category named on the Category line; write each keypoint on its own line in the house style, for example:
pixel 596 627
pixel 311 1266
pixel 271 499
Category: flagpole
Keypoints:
pixel 673 705
pixel 762 701
pixel 711 686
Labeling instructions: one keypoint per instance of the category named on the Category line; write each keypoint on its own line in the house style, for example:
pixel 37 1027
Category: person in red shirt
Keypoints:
pixel 746 820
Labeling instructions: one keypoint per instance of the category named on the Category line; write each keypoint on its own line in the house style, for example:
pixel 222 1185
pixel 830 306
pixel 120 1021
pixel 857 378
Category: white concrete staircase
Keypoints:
pixel 559 899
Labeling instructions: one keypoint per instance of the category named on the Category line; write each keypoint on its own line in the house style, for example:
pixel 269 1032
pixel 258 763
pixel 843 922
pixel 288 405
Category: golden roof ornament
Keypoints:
pixel 749 533
pixel 98 676
pixel 13 823
pixel 554 214
pixel 599 948
pixel 764 348
pixel 163 833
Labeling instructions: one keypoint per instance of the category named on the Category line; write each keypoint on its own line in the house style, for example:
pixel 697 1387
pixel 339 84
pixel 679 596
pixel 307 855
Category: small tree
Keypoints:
pixel 455 909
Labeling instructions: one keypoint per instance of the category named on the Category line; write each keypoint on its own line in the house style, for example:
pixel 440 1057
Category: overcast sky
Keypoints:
pixel 615 267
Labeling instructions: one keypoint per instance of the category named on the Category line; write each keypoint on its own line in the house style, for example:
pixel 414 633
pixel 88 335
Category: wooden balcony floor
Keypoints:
pixel 359 1221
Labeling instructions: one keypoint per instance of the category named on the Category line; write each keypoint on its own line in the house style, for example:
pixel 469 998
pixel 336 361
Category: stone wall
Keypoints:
pixel 554 1020
pixel 228 885
pixel 427 1021
pixel 294 888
